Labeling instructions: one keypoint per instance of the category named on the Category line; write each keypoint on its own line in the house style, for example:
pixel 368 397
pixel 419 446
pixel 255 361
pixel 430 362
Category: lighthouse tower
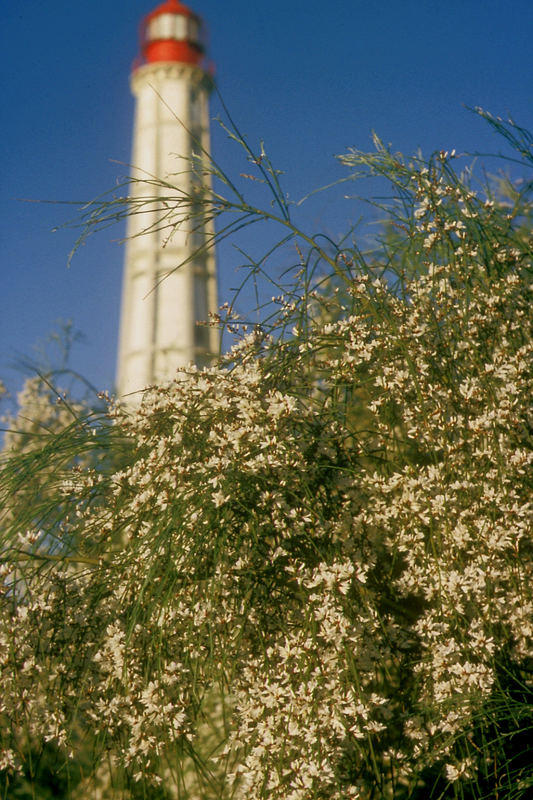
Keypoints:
pixel 169 281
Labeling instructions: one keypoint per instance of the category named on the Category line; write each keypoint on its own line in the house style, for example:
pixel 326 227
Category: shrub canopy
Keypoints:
pixel 305 572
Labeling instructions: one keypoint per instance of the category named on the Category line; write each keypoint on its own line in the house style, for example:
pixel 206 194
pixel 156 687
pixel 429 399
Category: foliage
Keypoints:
pixel 320 548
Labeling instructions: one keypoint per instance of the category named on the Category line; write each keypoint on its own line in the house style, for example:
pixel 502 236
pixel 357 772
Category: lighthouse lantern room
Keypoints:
pixel 169 284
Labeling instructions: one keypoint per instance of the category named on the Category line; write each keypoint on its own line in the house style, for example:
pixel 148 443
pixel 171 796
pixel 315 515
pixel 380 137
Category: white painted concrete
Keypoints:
pixel 163 297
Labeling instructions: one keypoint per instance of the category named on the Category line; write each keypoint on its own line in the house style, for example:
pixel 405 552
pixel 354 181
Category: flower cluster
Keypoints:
pixel 304 573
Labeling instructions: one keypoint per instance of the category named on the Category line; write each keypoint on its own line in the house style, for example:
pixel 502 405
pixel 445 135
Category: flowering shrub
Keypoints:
pixel 307 574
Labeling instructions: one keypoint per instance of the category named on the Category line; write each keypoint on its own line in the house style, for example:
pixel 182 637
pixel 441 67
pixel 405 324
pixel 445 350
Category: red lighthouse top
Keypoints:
pixel 172 32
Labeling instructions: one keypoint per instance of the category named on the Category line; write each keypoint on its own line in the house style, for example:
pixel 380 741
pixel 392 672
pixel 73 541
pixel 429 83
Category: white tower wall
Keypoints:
pixel 163 297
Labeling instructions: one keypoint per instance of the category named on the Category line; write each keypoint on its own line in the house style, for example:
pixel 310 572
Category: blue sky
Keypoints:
pixel 309 78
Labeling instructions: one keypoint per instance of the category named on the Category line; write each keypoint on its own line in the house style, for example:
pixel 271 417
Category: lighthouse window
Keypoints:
pixel 198 161
pixel 195 107
pixel 194 31
pixel 197 231
pixel 201 332
pixel 167 26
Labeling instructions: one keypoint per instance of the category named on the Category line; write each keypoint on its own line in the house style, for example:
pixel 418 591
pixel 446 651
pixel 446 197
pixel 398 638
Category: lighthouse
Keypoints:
pixel 169 284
